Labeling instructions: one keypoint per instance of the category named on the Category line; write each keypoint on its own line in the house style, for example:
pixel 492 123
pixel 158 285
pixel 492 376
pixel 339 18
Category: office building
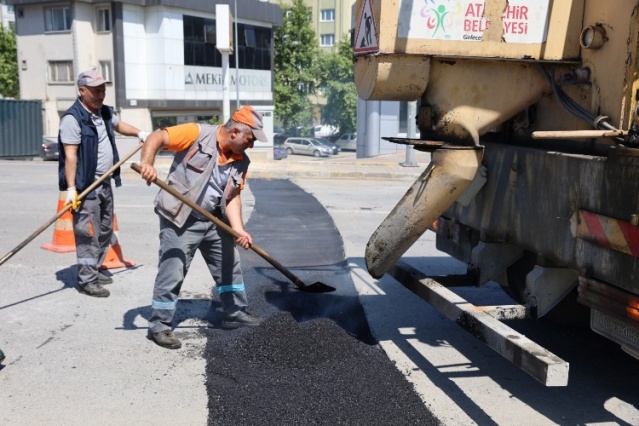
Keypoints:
pixel 161 59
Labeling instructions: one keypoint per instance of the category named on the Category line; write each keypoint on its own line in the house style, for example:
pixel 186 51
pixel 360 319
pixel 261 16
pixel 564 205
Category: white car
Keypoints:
pixel 347 142
pixel 324 131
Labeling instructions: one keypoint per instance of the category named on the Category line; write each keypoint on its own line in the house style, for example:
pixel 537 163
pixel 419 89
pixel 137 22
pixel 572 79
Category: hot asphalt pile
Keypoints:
pixel 311 373
pixel 313 361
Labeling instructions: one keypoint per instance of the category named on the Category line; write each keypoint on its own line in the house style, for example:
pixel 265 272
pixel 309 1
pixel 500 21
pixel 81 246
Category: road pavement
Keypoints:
pixel 72 359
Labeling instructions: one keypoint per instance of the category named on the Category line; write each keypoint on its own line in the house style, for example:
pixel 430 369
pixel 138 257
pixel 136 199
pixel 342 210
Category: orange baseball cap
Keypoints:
pixel 247 115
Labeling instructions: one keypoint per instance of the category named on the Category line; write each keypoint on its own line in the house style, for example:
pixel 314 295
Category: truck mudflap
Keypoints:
pixel 450 173
pixel 484 322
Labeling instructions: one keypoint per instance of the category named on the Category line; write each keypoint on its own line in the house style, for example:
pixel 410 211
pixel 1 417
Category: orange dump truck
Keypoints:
pixel 529 108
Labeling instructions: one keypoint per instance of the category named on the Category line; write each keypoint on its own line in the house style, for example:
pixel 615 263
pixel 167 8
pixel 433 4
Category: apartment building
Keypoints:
pixel 7 16
pixel 331 20
pixel 160 57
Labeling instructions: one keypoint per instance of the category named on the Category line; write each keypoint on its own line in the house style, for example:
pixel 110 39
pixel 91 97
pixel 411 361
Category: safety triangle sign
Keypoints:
pixel 366 36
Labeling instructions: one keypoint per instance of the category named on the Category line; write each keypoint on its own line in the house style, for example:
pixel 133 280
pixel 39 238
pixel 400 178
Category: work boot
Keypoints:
pixel 240 319
pixel 104 279
pixel 95 289
pixel 166 339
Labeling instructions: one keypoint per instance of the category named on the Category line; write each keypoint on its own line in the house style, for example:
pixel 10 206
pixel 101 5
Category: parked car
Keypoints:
pixel 49 149
pixel 348 141
pixel 279 152
pixel 336 149
pixel 307 146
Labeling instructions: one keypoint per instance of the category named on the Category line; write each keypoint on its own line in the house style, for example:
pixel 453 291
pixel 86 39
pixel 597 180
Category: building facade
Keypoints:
pixel 7 16
pixel 331 20
pixel 160 57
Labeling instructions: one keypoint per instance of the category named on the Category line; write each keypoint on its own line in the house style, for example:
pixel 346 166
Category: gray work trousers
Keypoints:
pixel 177 248
pixel 93 230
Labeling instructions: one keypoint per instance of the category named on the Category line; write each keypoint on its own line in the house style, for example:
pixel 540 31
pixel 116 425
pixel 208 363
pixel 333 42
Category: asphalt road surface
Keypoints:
pixel 314 360
pixel 347 357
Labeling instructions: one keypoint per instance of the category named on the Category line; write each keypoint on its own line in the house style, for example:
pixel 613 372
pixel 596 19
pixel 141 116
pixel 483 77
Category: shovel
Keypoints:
pixel 317 287
pixel 68 206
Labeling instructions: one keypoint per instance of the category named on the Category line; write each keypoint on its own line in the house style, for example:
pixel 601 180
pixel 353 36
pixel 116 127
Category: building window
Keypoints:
pixel 403 117
pixel 103 16
pixel 60 71
pixel 105 70
pixel 253 45
pixel 327 40
pixel 199 42
pixel 57 19
pixel 10 8
pixel 327 15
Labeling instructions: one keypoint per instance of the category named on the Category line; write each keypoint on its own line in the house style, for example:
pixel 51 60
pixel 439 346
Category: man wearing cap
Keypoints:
pixel 86 142
pixel 209 168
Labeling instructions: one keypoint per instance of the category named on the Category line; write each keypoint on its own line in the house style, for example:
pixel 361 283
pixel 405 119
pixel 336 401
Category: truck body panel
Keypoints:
pixel 549 91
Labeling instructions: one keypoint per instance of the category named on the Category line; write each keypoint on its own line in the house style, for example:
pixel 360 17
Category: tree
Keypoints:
pixel 338 85
pixel 296 51
pixel 9 81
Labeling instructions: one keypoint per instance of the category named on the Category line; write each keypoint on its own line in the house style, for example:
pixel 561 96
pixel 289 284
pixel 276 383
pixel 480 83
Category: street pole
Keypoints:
pixel 237 62
pixel 223 35
pixel 411 134
pixel 226 109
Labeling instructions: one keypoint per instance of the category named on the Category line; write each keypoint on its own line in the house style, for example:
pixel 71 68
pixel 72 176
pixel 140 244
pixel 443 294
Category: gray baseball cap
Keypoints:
pixel 91 78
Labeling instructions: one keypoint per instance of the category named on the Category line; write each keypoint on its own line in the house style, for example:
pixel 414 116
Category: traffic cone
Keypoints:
pixel 63 239
pixel 114 258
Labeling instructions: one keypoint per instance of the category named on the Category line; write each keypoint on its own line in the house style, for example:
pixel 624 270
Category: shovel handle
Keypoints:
pixel 68 206
pixel 257 249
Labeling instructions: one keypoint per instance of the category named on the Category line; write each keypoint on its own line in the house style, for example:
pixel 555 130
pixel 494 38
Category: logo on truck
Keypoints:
pixel 523 21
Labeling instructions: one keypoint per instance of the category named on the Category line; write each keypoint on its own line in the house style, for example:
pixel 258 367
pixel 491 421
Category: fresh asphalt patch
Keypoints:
pixel 313 360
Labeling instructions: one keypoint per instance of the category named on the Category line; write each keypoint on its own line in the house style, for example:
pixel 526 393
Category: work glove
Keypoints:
pixel 142 135
pixel 72 197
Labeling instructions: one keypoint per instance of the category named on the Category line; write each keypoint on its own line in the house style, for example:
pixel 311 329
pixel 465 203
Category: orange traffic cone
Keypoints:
pixel 114 258
pixel 63 239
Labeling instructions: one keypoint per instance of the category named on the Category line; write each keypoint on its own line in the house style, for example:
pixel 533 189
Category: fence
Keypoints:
pixel 20 128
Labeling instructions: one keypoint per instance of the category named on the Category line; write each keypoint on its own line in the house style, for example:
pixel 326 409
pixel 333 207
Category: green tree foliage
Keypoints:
pixel 9 81
pixel 338 85
pixel 296 53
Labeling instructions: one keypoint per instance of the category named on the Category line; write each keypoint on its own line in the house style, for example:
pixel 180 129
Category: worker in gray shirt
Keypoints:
pixel 86 142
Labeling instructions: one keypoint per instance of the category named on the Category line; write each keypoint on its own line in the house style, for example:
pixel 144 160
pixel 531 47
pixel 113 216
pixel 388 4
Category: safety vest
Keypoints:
pixel 88 148
pixel 190 173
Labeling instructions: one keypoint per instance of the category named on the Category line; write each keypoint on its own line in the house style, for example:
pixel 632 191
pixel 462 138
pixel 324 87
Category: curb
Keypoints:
pixel 298 167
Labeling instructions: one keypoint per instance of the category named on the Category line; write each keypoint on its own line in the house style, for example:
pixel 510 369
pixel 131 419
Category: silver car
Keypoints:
pixel 347 142
pixel 336 149
pixel 307 146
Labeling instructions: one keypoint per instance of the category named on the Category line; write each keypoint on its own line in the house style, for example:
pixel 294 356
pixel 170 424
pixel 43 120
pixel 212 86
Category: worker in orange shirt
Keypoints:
pixel 209 168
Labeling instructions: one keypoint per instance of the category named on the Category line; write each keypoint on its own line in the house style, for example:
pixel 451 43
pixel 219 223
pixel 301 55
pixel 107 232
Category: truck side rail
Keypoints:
pixel 484 323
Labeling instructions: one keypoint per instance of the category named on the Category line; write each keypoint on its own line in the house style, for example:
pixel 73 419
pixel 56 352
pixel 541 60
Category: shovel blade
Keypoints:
pixel 317 287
